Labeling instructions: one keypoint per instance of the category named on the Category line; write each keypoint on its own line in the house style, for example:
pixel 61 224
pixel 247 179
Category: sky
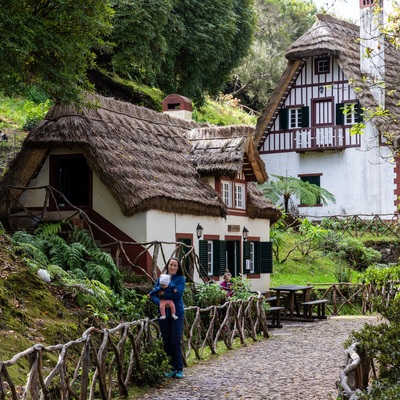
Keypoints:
pixel 347 8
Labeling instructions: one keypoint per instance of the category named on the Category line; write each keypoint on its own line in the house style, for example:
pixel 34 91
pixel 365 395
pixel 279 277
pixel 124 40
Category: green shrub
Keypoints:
pixel 208 294
pixel 381 342
pixel 354 253
pixel 153 365
pixel 35 113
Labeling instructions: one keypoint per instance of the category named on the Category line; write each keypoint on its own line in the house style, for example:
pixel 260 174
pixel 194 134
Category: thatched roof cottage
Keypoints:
pixel 144 176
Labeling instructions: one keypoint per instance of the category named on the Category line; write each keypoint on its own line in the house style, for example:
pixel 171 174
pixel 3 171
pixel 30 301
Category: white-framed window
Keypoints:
pixel 226 192
pixel 295 117
pixel 210 257
pixel 234 194
pixel 240 195
pixel 350 113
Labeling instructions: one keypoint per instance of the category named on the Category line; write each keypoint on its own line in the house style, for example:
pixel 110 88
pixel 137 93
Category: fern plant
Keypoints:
pixel 78 254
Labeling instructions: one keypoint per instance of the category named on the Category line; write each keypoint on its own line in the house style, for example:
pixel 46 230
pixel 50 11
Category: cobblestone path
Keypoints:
pixel 299 361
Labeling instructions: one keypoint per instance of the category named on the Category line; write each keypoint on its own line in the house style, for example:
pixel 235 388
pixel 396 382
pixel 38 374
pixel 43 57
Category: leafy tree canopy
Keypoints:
pixel 182 46
pixel 49 44
pixel 279 24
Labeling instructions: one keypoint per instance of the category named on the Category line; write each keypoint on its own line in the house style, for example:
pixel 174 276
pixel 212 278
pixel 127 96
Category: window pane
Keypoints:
pixel 295 117
pixel 240 196
pixel 226 193
pixel 252 257
pixel 210 257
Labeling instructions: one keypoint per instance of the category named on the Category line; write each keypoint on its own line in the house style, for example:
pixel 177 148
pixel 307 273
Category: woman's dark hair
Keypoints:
pixel 179 271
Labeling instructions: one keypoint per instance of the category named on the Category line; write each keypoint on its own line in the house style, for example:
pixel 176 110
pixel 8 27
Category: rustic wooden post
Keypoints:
pixel 334 299
pixel 85 370
pixel 154 261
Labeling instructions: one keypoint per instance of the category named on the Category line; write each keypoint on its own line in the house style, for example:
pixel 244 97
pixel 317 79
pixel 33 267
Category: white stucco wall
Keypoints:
pixel 361 179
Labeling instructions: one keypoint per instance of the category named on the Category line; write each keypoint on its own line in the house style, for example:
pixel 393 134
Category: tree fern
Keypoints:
pixel 30 246
pixel 78 274
pixel 82 256
pixel 105 259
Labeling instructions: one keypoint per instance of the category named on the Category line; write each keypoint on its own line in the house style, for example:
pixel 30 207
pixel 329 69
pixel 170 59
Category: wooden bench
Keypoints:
pixel 271 299
pixel 308 307
pixel 275 314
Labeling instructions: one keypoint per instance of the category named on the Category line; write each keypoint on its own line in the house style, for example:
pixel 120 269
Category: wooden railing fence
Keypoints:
pixel 190 260
pixel 345 298
pixel 357 226
pixel 102 363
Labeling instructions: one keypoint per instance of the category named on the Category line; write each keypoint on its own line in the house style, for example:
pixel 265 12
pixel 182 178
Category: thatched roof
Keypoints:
pixel 141 156
pixel 340 39
pixel 260 207
pixel 226 151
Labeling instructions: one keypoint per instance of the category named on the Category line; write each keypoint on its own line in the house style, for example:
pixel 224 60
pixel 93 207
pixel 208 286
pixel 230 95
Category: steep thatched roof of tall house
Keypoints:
pixel 340 39
pixel 140 155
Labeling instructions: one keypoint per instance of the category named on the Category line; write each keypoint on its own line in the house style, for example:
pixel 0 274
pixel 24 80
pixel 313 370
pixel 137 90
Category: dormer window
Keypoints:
pixel 322 65
pixel 234 194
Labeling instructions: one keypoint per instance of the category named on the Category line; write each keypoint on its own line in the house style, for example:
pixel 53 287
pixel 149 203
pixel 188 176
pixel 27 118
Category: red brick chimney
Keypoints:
pixel 177 106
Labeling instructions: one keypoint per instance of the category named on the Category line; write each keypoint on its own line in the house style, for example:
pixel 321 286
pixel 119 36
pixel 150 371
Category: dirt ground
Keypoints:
pixel 300 361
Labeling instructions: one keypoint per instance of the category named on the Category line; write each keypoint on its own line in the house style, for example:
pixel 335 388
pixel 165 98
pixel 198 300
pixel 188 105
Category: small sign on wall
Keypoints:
pixel 233 228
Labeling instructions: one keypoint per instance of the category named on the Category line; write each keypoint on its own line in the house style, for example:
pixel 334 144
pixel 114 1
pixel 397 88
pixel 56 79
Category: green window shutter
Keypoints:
pixel 246 255
pixel 283 118
pixel 219 257
pixel 360 115
pixel 203 255
pixel 266 257
pixel 305 117
pixel 339 114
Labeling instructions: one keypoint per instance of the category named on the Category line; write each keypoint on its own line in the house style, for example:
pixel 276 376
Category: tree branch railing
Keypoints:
pixel 102 363
pixel 355 373
pixel 187 252
pixel 357 225
pixel 358 297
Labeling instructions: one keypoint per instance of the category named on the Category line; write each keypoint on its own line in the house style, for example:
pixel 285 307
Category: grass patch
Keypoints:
pixel 224 111
pixel 12 113
pixel 294 272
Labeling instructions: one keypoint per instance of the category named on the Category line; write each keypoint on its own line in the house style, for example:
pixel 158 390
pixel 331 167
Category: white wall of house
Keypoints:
pixel 360 178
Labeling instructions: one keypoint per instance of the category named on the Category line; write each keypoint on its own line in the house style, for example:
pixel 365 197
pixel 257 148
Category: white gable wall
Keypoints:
pixel 360 178
pixel 362 182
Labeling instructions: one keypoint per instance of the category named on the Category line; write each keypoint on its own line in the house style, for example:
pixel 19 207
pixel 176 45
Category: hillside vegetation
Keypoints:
pixel 32 311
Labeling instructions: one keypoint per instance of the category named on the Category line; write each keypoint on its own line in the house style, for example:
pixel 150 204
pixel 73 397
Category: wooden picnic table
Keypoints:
pixel 292 303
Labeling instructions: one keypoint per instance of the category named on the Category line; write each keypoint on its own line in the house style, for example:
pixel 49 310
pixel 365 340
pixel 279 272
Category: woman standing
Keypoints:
pixel 172 329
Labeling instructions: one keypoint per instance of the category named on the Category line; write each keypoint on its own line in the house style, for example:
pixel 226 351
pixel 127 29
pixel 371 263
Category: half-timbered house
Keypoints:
pixel 144 176
pixel 336 72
